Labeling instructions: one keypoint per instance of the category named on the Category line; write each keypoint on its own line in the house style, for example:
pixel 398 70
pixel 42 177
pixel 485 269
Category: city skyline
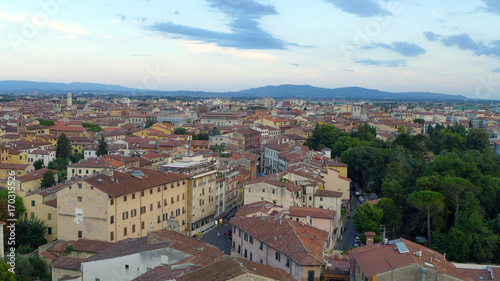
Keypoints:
pixel 230 45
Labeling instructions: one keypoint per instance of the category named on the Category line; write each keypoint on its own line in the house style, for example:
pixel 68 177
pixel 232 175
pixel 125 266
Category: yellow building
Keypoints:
pixel 338 166
pixel 122 204
pixel 18 157
pixel 19 169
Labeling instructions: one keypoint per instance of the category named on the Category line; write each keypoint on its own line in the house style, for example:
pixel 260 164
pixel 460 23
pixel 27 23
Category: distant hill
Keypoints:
pixel 30 86
pixel 281 91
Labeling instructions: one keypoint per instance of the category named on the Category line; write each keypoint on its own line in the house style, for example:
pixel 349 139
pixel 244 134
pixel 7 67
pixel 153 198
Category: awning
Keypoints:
pixel 221 215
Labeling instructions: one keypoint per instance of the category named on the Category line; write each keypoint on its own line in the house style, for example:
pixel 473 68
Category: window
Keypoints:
pixel 33 203
pixel 49 216
pixel 159 188
pixel 245 254
pixel 277 256
pixel 288 262
pixel 142 193
pixel 111 201
pixel 261 261
pixel 264 190
pixel 143 209
pixel 97 279
pixel 164 202
pixel 274 191
pixel 159 219
pixel 249 190
pixel 112 236
pixel 133 228
pixel 159 204
pixel 112 220
pixel 151 206
pixel 251 256
pixel 133 213
pixel 125 198
pixel 142 225
pixel 80 234
pixel 133 196
pixel 124 231
pixel 261 246
pixel 239 232
pixel 151 191
pixel 177 198
pixel 126 266
pixel 251 240
pixel 79 199
pixel 182 196
pixel 310 275
pixel 239 249
pixel 125 215
pixel 245 236
pixel 49 230
pixel 80 185
pixel 321 199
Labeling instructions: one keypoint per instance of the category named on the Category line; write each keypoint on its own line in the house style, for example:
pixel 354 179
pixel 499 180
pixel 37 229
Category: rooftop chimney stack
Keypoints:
pixel 369 238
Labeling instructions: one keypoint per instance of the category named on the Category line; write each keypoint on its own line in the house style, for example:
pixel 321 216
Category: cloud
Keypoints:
pixel 296 64
pixel 122 17
pixel 13 17
pixel 246 32
pixel 493 6
pixel 466 43
pixel 403 48
pixel 383 63
pixel 497 70
pixel 105 36
pixel 177 13
pixel 349 70
pixel 361 8
pixel 68 28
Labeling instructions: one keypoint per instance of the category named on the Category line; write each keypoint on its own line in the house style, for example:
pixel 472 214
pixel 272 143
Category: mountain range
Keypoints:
pixel 281 91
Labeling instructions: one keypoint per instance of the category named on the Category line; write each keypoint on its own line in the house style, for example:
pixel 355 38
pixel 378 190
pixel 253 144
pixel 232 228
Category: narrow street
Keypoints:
pixel 221 242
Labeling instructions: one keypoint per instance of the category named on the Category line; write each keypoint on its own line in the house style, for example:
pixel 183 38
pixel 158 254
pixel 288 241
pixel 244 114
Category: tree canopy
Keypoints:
pixel 63 147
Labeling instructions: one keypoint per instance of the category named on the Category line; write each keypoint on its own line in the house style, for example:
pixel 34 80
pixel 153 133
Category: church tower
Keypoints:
pixel 69 100
pixel 21 124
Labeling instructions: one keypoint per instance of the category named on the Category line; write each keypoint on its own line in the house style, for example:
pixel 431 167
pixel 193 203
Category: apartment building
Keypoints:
pixel 122 204
pixel 201 176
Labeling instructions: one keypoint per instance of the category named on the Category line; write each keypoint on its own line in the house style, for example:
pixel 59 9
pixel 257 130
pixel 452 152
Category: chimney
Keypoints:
pixel 369 238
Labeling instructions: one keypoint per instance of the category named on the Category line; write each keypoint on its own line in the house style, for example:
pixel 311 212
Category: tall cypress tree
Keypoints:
pixel 63 147
pixel 103 147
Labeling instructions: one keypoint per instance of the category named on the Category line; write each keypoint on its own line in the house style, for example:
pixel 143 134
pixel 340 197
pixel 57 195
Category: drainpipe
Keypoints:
pixel 424 270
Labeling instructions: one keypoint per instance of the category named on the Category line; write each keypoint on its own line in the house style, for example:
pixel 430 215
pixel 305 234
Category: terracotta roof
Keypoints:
pixel 124 183
pixel 163 239
pixel 91 246
pixel 13 166
pixel 230 268
pixel 254 208
pixel 302 243
pixel 68 263
pixel 37 174
pixel 151 155
pixel 311 212
pixel 49 255
pixel 52 203
pixel 327 193
pixel 163 273
pixel 378 258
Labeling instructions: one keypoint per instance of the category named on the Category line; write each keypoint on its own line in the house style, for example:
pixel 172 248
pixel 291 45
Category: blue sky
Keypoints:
pixel 223 45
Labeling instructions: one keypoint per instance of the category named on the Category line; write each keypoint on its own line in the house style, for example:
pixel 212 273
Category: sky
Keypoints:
pixel 445 46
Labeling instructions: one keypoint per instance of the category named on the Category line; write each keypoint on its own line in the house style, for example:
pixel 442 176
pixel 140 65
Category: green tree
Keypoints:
pixel 419 121
pixel 367 218
pixel 103 147
pixel 24 269
pixel 214 132
pixel 324 134
pixel 180 131
pixel 46 122
pixel 365 163
pixel 48 179
pixel 392 216
pixel 92 127
pixel 40 269
pixel 31 232
pixel 477 139
pixel 365 132
pixel 63 147
pixel 429 202
pixel 38 164
pixel 150 121
pixel 75 158
pixel 5 274
pixel 456 186
pixel 18 205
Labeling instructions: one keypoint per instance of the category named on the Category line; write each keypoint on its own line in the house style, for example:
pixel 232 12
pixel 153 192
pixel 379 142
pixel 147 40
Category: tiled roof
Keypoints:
pixel 163 239
pixel 311 212
pixel 68 263
pixel 302 243
pixel 230 268
pixel 91 246
pixel 7 166
pixel 52 203
pixel 257 207
pixel 49 255
pixel 124 183
pixel 327 193
pixel 37 174
pixel 378 258
pixel 163 273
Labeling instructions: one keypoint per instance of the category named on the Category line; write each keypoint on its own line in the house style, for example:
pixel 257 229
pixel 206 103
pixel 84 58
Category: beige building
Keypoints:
pixel 201 191
pixel 123 204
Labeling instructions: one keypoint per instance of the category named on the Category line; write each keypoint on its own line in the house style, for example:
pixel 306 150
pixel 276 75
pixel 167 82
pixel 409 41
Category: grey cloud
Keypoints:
pixel 383 63
pixel 361 8
pixel 466 43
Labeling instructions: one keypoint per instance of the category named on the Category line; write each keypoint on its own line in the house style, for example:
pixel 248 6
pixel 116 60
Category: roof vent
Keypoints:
pixel 138 175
